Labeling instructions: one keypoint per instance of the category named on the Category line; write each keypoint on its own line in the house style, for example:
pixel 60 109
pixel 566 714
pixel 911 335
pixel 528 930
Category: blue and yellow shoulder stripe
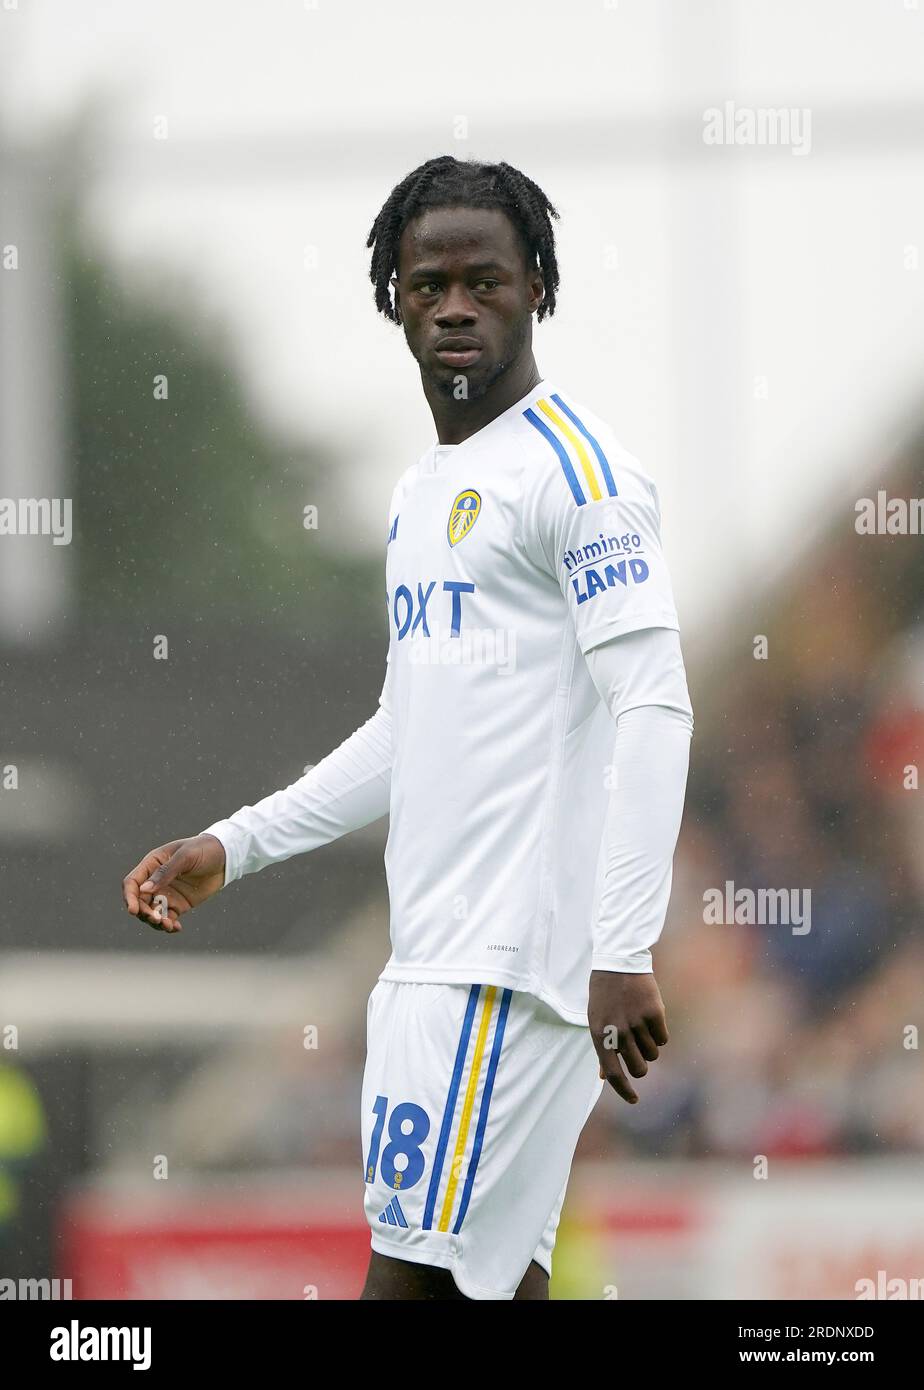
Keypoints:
pixel 583 462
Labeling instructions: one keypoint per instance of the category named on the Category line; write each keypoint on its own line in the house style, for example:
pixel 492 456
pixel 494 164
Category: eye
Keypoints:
pixel 429 287
pixel 487 283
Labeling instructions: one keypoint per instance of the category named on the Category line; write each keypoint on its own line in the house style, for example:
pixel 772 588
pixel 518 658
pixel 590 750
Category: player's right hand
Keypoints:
pixel 185 872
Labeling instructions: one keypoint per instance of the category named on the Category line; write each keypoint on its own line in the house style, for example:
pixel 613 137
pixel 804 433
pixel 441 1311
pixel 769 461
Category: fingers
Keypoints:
pixel 165 875
pixel 131 897
pixel 633 1058
pixel 612 1072
pixel 161 916
pixel 149 880
pixel 158 914
pixel 646 1043
pixel 131 883
pixel 657 1026
pixel 609 1048
pixel 637 1047
pixel 628 1026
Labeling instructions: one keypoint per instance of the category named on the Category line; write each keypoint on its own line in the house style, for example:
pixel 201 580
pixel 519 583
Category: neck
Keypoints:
pixel 456 420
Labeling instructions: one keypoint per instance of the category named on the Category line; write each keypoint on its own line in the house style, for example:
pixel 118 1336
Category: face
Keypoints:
pixel 465 296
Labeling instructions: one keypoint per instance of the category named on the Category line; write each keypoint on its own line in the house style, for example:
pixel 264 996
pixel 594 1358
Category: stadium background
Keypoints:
pixel 189 195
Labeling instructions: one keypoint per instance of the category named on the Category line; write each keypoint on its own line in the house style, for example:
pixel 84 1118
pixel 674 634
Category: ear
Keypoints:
pixel 536 291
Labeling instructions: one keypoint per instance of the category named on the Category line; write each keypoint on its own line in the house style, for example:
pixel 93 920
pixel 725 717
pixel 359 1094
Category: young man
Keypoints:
pixel 530 745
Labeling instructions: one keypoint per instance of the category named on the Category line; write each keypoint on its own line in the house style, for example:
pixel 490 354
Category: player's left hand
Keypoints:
pixel 626 1016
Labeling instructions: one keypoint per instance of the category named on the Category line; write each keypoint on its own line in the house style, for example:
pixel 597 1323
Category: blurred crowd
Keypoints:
pixel 805 776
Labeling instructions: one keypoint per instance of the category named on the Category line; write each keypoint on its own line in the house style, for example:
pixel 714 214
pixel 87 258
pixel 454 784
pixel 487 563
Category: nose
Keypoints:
pixel 456 308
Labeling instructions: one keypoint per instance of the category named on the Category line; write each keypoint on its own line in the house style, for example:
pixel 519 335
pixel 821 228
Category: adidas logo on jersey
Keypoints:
pixel 393 1215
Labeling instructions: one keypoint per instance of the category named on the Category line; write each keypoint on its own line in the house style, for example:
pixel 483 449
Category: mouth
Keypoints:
pixel 458 352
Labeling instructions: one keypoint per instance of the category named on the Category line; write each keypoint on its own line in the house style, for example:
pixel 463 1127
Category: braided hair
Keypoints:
pixel 449 182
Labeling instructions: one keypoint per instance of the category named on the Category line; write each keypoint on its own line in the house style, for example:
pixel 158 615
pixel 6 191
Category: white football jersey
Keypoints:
pixel 508 557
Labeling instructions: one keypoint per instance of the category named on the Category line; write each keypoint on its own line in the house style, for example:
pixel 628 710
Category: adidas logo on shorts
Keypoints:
pixel 393 1215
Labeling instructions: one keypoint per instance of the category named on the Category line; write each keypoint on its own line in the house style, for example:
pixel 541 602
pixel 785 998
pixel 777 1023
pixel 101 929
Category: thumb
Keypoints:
pixel 165 875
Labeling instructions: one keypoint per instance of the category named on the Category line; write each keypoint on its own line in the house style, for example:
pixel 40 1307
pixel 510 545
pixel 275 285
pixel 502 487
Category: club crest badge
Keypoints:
pixel 463 516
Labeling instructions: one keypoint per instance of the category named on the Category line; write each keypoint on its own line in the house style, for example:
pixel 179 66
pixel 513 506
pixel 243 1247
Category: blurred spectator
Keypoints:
pixel 22 1137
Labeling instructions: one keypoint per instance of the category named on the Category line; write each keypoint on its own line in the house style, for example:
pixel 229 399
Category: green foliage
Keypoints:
pixel 187 505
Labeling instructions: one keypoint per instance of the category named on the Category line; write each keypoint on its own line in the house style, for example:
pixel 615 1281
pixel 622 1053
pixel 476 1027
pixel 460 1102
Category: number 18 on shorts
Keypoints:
pixel 473 1100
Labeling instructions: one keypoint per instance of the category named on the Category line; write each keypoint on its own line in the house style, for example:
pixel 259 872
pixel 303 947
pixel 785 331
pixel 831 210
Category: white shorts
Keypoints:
pixel 473 1100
